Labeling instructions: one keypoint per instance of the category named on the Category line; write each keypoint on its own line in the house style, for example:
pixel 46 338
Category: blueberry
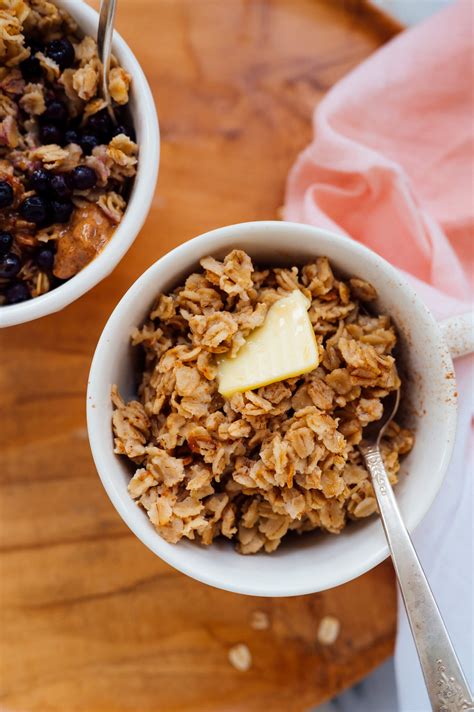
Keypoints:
pixel 61 185
pixel 88 143
pixel 100 124
pixel 17 292
pixel 49 133
pixel 62 210
pixel 56 282
pixel 84 177
pixel 56 112
pixel 6 194
pixel 34 45
pixel 31 69
pixel 40 180
pixel 72 136
pixel 44 258
pixel 6 241
pixel 62 52
pixel 122 129
pixel 122 113
pixel 35 210
pixel 10 265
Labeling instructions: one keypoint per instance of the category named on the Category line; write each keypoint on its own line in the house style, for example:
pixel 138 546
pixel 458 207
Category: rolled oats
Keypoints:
pixel 261 464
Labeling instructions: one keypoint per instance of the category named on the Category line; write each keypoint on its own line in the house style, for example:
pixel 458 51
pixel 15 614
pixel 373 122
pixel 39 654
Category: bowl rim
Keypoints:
pixel 99 449
pixel 137 208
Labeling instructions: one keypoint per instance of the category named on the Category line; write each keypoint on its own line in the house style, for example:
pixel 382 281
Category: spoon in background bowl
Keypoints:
pixel 104 45
pixel 445 681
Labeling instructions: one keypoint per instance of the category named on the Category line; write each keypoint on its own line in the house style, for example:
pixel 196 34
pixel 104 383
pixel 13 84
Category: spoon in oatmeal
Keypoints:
pixel 441 668
pixel 104 44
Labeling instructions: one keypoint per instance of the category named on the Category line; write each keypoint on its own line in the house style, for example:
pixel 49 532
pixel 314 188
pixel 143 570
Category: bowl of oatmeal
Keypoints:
pixel 230 389
pixel 75 187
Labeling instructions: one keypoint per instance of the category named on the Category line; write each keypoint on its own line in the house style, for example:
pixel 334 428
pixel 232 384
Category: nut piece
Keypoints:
pixel 240 657
pixel 328 630
pixel 260 620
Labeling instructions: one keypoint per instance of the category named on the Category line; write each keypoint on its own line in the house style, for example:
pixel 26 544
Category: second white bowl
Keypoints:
pixel 145 121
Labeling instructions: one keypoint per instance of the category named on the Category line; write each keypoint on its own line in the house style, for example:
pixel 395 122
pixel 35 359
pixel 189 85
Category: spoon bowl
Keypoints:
pixel 373 432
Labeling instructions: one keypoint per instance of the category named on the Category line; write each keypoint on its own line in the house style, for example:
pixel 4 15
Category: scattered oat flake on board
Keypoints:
pixel 260 620
pixel 240 657
pixel 328 630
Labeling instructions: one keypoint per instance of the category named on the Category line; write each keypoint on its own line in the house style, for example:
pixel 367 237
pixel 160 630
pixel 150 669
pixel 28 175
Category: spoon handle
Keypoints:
pixel 447 687
pixel 104 43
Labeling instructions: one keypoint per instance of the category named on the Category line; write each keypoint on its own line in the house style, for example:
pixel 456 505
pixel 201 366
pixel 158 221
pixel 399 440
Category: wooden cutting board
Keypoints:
pixel 90 620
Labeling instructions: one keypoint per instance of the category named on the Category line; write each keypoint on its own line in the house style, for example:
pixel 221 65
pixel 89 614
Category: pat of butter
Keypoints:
pixel 283 347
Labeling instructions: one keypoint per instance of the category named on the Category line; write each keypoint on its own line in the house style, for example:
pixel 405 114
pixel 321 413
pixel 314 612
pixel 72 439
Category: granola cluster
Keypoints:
pixel 263 463
pixel 61 156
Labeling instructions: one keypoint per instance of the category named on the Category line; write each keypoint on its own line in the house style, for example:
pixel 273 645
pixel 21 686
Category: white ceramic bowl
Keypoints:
pixel 145 121
pixel 313 562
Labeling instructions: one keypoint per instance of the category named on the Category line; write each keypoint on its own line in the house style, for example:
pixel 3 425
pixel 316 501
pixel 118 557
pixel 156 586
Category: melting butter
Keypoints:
pixel 283 347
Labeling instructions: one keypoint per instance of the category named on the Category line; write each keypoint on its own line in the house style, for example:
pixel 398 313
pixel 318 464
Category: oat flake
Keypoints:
pixel 328 630
pixel 240 657
pixel 260 620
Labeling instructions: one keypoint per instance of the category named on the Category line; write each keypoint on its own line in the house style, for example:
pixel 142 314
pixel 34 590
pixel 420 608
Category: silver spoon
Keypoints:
pixel 104 45
pixel 447 687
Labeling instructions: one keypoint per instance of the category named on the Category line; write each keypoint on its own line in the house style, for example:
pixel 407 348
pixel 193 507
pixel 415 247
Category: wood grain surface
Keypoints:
pixel 90 620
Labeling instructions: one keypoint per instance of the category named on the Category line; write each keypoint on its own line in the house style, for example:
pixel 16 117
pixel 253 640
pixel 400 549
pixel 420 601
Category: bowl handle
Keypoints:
pixel 458 332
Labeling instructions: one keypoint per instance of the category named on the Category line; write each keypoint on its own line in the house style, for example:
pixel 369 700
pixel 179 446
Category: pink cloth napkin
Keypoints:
pixel 391 165
pixel 391 162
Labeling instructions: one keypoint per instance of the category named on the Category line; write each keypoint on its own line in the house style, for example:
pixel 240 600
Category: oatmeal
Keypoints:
pixel 65 168
pixel 258 465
